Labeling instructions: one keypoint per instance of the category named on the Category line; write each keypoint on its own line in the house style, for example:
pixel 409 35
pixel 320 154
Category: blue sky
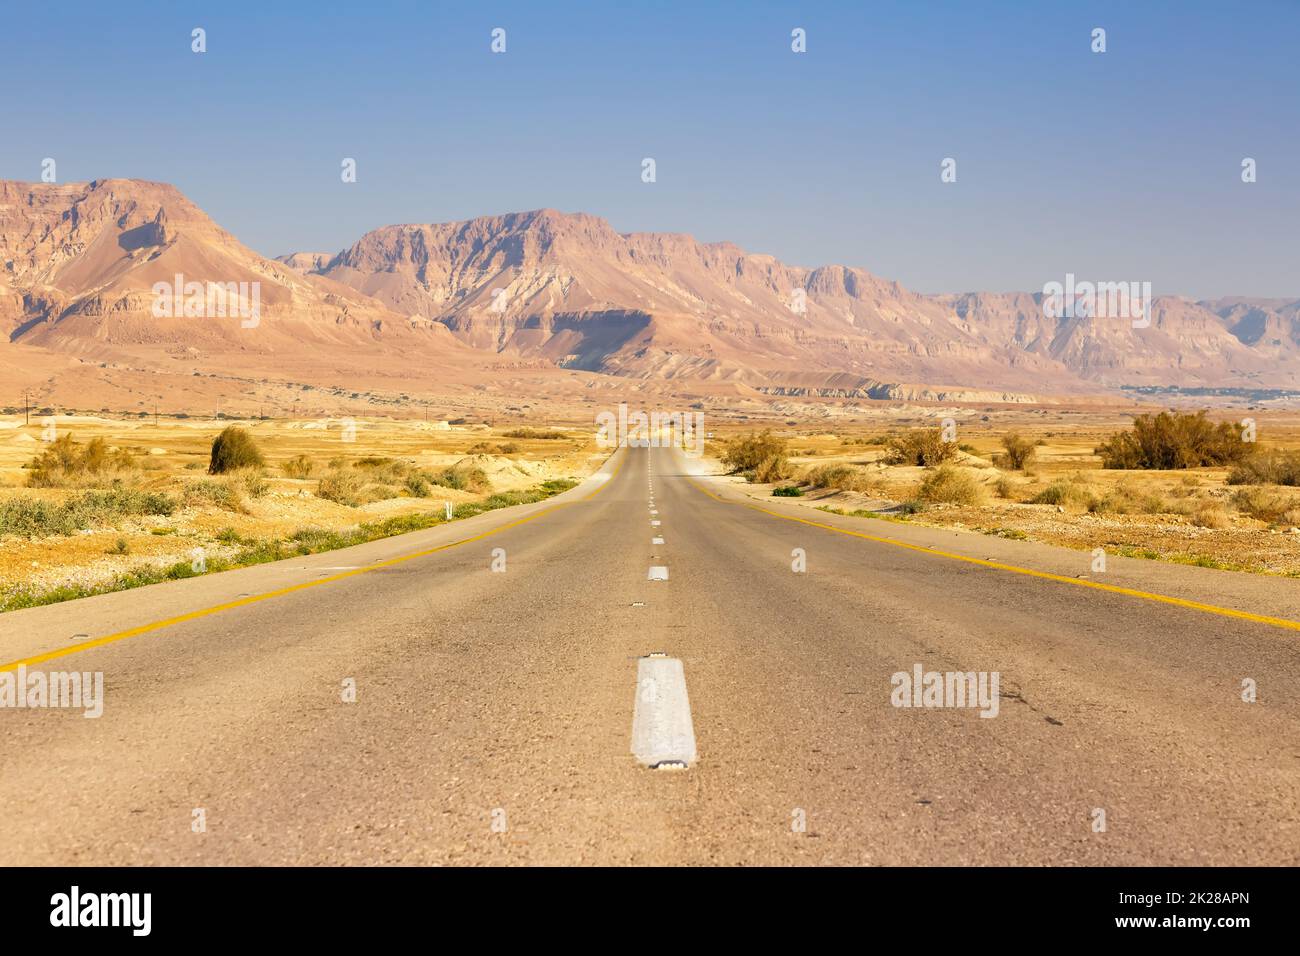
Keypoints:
pixel 1122 165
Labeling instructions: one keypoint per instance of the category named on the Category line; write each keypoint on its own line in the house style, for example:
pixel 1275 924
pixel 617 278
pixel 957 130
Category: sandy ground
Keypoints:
pixel 173 454
pixel 1175 532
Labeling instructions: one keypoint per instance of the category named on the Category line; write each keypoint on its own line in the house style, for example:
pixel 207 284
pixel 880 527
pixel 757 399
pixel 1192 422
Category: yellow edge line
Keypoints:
pixel 1029 572
pixel 254 599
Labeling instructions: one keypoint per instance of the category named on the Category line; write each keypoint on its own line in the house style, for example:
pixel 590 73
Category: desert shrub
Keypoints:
pixel 1005 487
pixel 1174 440
pixel 382 491
pixel 921 446
pixel 533 433
pixel 949 485
pixel 218 493
pixel 462 477
pixel 70 464
pixel 1019 452
pixel 1272 467
pixel 1209 514
pixel 1067 493
pixel 1263 505
pixel 234 448
pixel 775 468
pixel 418 484
pixel 840 477
pixel 384 471
pixel 299 466
pixel 750 451
pixel 341 485
pixel 1126 500
pixel 253 481
pixel 487 448
pixel 32 518
pixel 788 491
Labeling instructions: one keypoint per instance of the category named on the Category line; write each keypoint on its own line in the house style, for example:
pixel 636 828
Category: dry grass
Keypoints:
pixel 1271 507
pixel 1267 467
pixel 950 485
pixel 1064 496
pixel 841 478
pixel 156 498
pixel 67 463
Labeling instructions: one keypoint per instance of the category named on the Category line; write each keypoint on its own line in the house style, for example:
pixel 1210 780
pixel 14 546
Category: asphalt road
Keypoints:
pixel 493 712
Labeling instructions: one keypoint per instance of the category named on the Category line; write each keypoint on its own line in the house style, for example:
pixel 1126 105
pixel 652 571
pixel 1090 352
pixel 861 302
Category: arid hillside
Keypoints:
pixel 497 313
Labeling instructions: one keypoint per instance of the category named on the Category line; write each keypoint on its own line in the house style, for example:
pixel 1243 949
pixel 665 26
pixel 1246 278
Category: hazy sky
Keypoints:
pixel 1116 166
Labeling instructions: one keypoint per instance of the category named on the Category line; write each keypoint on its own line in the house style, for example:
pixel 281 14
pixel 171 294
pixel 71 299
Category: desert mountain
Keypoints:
pixel 508 304
pixel 570 289
pixel 81 262
pixel 1230 342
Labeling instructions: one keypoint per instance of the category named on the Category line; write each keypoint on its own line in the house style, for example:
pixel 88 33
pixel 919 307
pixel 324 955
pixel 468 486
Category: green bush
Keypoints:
pixel 1174 440
pixel 234 448
pixel 787 491
pixel 32 518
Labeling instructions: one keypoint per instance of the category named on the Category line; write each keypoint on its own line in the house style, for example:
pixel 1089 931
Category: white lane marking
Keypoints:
pixel 656 540
pixel 654 524
pixel 653 512
pixel 662 732
pixel 657 573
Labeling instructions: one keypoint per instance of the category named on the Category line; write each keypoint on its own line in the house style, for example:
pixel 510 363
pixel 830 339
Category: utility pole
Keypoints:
pixel 155 416
pixel 27 406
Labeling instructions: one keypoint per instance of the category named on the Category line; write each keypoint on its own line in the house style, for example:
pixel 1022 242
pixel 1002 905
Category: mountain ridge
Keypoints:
pixel 546 289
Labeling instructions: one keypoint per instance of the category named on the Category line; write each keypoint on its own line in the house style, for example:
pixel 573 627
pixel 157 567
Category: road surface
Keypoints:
pixel 493 719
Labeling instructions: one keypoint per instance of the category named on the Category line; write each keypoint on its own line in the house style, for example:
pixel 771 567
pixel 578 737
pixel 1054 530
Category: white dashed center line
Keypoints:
pixel 662 733
pixel 657 573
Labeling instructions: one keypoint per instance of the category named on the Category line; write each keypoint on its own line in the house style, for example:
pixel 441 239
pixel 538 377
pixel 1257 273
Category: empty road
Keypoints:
pixel 404 703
